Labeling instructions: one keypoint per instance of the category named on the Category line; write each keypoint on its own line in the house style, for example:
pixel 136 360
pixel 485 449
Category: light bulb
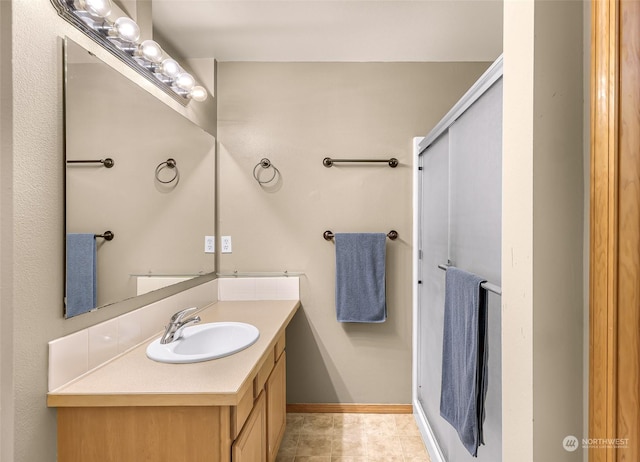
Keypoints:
pixel 198 93
pixel 185 81
pixel 151 51
pixel 97 8
pixel 170 68
pixel 127 29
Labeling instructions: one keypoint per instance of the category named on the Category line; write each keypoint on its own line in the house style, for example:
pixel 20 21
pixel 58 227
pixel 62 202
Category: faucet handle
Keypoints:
pixel 180 315
pixel 182 324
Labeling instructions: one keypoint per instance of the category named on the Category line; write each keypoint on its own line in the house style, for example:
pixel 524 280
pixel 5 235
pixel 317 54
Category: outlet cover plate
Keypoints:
pixel 209 244
pixel 225 244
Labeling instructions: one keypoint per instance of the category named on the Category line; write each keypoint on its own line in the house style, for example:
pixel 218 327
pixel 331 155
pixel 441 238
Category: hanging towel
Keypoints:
pixel 81 273
pixel 464 357
pixel 360 277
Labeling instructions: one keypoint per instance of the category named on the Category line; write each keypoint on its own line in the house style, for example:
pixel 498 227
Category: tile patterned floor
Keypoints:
pixel 352 438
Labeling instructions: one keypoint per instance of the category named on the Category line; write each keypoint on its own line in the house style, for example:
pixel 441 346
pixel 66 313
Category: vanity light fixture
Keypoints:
pixel 121 36
pixel 151 51
pixel 124 28
pixel 170 68
pixel 185 81
pixel 96 8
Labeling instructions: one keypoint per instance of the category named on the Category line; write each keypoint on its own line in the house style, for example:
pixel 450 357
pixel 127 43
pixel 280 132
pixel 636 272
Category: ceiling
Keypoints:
pixel 331 30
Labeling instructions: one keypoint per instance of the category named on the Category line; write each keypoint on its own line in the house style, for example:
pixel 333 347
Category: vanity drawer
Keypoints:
pixel 251 445
pixel 240 412
pixel 263 373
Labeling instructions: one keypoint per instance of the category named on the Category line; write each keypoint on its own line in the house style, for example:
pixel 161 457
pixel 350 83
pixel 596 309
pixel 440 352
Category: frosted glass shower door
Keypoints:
pixel 460 206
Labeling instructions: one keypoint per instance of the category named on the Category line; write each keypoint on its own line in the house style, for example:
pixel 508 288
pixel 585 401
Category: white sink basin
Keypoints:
pixel 205 342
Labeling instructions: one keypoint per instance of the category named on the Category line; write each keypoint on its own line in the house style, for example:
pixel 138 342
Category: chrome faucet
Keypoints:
pixel 173 330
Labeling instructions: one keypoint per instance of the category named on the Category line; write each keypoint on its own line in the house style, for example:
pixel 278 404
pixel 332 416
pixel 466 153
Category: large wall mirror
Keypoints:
pixel 137 223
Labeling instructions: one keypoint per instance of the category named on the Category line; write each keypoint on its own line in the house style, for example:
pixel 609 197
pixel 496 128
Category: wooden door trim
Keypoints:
pixel 628 264
pixel 603 225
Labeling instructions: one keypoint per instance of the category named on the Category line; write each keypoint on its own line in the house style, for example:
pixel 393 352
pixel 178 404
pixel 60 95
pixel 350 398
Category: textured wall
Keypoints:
pixel 35 236
pixel 296 114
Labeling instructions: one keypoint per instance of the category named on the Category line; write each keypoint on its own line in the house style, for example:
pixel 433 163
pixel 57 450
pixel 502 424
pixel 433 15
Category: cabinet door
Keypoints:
pixel 251 444
pixel 276 406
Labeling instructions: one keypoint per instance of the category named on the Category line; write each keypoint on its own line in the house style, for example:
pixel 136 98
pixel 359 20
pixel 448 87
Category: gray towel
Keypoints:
pixel 464 357
pixel 360 277
pixel 81 273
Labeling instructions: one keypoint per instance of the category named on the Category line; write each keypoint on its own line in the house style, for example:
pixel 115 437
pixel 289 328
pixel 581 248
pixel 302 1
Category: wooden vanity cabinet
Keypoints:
pixel 251 444
pixel 143 434
pixel 276 393
pixel 271 381
pixel 250 431
pixel 264 427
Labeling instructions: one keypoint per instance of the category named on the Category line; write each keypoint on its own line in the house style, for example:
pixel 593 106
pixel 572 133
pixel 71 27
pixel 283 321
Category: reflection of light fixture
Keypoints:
pixel 198 93
pixel 121 38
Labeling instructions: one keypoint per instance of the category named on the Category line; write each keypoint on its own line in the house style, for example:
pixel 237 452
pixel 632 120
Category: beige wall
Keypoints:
pixel 32 228
pixel 543 190
pixel 558 228
pixel 296 114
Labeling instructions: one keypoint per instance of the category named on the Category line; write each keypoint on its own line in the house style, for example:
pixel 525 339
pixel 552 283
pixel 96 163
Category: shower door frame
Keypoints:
pixel 420 144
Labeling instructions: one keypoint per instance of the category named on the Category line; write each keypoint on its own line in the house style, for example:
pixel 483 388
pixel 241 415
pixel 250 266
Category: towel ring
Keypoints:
pixel 265 163
pixel 169 163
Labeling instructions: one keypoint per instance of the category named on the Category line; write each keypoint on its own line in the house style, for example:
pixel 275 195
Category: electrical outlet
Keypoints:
pixel 225 244
pixel 209 244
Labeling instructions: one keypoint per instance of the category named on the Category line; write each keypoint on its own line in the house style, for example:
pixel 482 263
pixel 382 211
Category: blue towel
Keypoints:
pixel 81 274
pixel 360 277
pixel 464 357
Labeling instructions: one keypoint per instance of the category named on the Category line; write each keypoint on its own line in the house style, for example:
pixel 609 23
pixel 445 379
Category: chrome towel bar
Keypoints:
pixel 328 235
pixel 485 285
pixel 328 161
pixel 108 162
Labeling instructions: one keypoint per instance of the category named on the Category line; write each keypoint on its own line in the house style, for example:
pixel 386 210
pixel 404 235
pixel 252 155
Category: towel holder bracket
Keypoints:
pixel 107 235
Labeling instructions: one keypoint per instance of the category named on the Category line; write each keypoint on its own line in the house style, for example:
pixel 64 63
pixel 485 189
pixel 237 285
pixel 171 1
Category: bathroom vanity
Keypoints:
pixel 227 409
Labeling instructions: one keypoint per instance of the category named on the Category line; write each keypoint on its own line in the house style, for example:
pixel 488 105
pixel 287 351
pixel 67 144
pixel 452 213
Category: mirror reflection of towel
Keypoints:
pixel 464 356
pixel 81 287
pixel 360 277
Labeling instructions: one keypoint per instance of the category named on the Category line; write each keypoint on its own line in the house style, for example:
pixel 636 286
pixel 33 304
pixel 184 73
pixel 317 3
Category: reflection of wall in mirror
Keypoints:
pixel 158 228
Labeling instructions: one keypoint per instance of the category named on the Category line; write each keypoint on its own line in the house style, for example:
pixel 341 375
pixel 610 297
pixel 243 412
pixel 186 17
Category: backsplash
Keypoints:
pixel 78 353
pixel 259 288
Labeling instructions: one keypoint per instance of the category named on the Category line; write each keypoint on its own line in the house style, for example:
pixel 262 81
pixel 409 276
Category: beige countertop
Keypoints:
pixel 132 379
